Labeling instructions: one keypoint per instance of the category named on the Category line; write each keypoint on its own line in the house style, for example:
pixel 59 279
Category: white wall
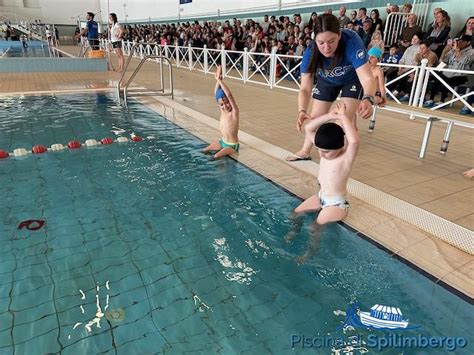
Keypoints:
pixel 142 10
pixel 49 11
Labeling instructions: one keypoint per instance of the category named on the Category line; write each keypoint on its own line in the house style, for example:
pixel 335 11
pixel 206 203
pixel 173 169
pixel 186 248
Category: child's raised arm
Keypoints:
pixel 220 83
pixel 352 135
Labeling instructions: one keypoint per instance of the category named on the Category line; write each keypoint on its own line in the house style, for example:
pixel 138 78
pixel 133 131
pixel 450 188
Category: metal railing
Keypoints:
pixel 396 21
pixel 146 53
pixel 283 71
pixel 271 69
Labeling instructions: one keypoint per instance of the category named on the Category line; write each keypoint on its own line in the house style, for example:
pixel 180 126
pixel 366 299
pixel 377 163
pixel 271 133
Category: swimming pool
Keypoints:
pixel 24 52
pixel 15 49
pixel 187 252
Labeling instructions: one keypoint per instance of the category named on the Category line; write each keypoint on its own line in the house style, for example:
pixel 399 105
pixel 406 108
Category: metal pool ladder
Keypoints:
pixel 122 86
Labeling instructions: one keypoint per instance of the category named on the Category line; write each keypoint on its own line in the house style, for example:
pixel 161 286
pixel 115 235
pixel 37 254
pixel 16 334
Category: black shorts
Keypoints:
pixel 117 44
pixel 94 44
pixel 326 91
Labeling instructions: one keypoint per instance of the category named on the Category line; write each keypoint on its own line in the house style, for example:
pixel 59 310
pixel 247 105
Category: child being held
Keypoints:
pixel 337 158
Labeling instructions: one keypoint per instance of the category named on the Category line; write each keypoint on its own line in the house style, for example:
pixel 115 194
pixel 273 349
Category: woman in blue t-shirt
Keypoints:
pixel 340 61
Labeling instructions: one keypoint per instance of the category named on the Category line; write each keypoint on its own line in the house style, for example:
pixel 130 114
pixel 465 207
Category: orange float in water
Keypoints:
pixel 74 144
pixel 39 149
pixel 3 154
pixel 106 141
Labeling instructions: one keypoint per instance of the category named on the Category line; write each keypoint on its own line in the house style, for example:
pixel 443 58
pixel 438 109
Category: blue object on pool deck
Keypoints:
pixel 188 252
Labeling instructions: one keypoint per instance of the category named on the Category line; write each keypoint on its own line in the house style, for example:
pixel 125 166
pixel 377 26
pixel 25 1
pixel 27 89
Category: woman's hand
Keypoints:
pixel 365 109
pixel 380 101
pixel 302 116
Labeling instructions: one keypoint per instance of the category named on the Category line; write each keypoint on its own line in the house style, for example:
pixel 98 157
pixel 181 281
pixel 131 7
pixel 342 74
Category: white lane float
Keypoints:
pixel 74 144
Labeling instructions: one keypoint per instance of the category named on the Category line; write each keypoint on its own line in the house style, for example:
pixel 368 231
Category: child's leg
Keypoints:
pixel 311 204
pixel 223 152
pixel 214 146
pixel 313 243
pixel 331 214
pixel 296 221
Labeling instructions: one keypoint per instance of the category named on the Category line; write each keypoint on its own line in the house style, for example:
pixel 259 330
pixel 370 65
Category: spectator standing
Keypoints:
pixel 343 19
pixel 408 31
pixel 376 21
pixel 362 16
pixel 265 24
pixel 438 32
pixel 91 31
pixel 407 8
pixel 299 22
pixel 116 35
pixel 353 17
pixel 312 21
pixel 366 32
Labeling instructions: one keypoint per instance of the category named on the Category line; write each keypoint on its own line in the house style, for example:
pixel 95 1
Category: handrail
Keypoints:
pixel 126 66
pixel 137 69
pixel 203 55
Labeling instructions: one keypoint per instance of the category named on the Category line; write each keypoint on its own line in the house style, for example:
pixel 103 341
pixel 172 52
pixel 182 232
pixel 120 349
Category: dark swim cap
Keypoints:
pixel 329 136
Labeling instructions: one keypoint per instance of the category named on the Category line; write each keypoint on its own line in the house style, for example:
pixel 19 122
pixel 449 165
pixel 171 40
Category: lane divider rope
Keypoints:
pixel 74 144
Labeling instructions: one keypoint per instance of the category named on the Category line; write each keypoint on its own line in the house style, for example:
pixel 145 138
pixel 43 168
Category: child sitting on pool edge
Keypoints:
pixel 229 120
pixel 335 166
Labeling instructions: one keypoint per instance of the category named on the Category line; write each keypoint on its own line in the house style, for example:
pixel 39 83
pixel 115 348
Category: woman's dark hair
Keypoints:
pixel 376 11
pixel 326 23
pixel 463 29
pixel 426 42
pixel 114 17
pixel 311 22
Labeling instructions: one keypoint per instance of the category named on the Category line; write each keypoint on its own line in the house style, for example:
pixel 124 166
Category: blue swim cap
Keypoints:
pixel 375 52
pixel 220 94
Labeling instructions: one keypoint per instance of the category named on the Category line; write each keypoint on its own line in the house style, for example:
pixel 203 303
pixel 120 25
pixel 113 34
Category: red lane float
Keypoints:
pixel 39 149
pixel 107 141
pixel 3 154
pixel 74 144
pixel 136 138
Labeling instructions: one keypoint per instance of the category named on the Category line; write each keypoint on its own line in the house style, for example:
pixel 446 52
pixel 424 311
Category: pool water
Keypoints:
pixel 169 251
pixel 18 51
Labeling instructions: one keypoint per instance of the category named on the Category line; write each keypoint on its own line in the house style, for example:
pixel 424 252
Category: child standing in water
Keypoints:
pixel 229 120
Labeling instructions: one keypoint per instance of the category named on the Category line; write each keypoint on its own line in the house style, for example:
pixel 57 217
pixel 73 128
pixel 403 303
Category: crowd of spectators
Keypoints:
pixel 291 36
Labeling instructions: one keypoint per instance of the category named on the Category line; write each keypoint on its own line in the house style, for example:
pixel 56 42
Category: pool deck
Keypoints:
pixel 388 160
